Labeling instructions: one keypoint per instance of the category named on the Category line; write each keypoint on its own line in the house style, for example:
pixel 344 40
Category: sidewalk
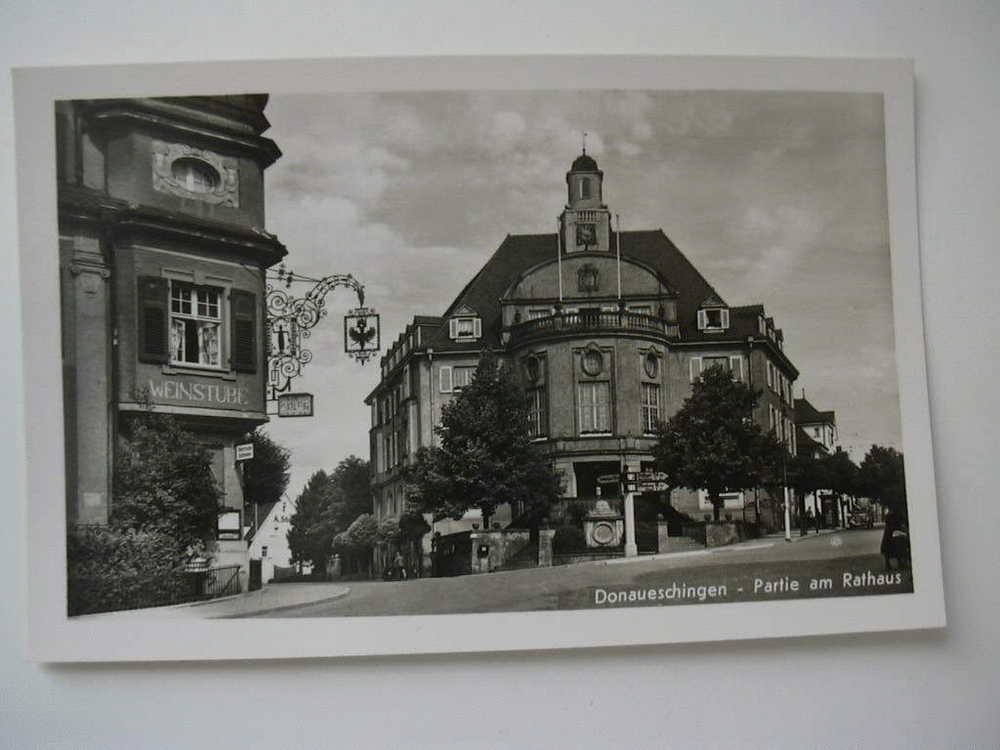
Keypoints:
pixel 272 597
pixel 796 534
pixel 738 546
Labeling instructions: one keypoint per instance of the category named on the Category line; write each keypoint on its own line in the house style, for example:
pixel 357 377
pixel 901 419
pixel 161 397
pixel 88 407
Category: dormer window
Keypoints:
pixel 465 328
pixel 713 319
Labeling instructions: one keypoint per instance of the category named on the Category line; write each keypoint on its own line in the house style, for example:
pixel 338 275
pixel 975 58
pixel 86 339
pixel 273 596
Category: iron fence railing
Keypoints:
pixel 111 592
pixel 594 321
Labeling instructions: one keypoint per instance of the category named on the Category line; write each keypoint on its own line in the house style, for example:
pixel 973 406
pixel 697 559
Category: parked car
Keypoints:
pixel 860 519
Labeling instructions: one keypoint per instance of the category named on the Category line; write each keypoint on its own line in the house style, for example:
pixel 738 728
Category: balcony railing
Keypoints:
pixel 585 321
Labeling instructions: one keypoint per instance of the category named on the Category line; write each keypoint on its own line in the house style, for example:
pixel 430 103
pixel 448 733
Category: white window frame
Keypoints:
pixel 594 411
pixel 537 412
pixel 736 366
pixel 706 366
pixel 649 409
pixel 454 324
pixel 703 323
pixel 694 368
pixel 220 320
pixel 461 373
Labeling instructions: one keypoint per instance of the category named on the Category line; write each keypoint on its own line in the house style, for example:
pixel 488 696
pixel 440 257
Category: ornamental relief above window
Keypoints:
pixel 195 174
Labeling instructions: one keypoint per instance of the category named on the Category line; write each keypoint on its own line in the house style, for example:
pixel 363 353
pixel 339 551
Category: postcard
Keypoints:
pixel 345 357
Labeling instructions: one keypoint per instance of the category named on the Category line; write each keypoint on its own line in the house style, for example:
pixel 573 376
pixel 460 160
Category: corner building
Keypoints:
pixel 162 260
pixel 607 331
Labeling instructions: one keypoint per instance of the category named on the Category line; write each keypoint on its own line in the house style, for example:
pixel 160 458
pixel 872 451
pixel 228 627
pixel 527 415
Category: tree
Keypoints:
pixel 328 505
pixel 485 458
pixel 265 477
pixel 806 474
pixel 712 444
pixel 882 477
pixel 842 475
pixel 163 481
pixel 358 540
pixel 352 486
pixel 314 522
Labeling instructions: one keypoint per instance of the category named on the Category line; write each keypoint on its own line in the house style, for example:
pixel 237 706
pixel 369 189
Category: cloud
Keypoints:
pixel 777 198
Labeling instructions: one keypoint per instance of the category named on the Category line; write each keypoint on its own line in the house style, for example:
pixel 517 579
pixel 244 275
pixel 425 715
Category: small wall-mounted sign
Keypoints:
pixel 295 405
pixel 244 451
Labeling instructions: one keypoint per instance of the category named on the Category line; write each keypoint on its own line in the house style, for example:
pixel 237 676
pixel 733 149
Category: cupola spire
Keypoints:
pixel 586 221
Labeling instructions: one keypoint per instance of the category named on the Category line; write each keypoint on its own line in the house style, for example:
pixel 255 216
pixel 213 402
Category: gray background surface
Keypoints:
pixel 882 690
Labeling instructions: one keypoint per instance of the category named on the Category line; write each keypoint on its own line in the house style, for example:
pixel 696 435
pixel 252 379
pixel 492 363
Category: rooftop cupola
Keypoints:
pixel 584 182
pixel 586 221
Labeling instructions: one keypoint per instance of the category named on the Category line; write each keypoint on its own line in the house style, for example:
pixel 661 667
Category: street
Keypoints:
pixel 845 563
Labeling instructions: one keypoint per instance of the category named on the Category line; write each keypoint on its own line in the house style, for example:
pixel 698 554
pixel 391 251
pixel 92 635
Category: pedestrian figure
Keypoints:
pixel 895 542
pixel 400 566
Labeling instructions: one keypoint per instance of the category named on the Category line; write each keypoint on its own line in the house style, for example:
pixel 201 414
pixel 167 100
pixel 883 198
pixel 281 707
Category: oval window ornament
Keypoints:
pixel 651 364
pixel 195 175
pixel 532 369
pixel 593 362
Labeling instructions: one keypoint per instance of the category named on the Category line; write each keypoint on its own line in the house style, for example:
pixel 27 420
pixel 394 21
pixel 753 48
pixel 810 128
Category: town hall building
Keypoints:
pixel 606 331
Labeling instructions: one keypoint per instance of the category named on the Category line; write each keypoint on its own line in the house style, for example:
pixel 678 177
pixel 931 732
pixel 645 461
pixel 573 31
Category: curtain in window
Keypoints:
pixel 208 344
pixel 594 399
pixel 177 340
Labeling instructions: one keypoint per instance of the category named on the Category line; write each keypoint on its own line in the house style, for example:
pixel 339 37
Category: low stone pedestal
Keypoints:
pixel 662 536
pixel 545 537
pixel 603 527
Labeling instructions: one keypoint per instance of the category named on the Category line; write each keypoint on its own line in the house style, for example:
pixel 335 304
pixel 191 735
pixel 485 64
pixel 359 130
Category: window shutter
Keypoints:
pixel 444 376
pixel 695 364
pixel 736 365
pixel 770 375
pixel 453 329
pixel 725 318
pixel 477 328
pixel 702 320
pixel 243 330
pixel 153 319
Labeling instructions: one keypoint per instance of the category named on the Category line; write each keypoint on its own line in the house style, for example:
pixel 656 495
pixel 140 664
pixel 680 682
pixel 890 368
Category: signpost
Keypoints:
pixel 295 405
pixel 635 482
pixel 244 452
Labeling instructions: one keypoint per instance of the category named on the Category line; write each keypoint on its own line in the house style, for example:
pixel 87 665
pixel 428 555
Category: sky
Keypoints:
pixel 778 198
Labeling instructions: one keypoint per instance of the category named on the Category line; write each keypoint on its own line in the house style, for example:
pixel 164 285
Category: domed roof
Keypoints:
pixel 584 163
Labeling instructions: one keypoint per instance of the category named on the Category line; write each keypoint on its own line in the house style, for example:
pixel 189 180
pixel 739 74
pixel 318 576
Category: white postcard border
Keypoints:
pixel 54 637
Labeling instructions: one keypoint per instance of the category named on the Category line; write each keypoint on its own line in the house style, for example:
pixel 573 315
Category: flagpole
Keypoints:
pixel 618 219
pixel 559 255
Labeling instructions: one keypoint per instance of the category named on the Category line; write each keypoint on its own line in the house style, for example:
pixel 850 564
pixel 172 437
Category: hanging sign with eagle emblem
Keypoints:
pixel 361 333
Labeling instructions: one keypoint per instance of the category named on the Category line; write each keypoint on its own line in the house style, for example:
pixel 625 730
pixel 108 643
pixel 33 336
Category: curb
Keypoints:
pixel 335 597
pixel 690 553
pixel 798 538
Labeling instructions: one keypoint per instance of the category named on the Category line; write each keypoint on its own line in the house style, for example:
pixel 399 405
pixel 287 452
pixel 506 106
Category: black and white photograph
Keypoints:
pixel 341 355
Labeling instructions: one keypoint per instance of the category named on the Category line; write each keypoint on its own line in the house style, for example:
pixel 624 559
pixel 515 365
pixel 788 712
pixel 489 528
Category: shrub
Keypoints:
pixel 110 569
pixel 569 539
pixel 163 481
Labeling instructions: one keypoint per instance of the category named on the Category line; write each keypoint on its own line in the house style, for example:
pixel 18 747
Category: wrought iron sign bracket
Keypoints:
pixel 290 320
